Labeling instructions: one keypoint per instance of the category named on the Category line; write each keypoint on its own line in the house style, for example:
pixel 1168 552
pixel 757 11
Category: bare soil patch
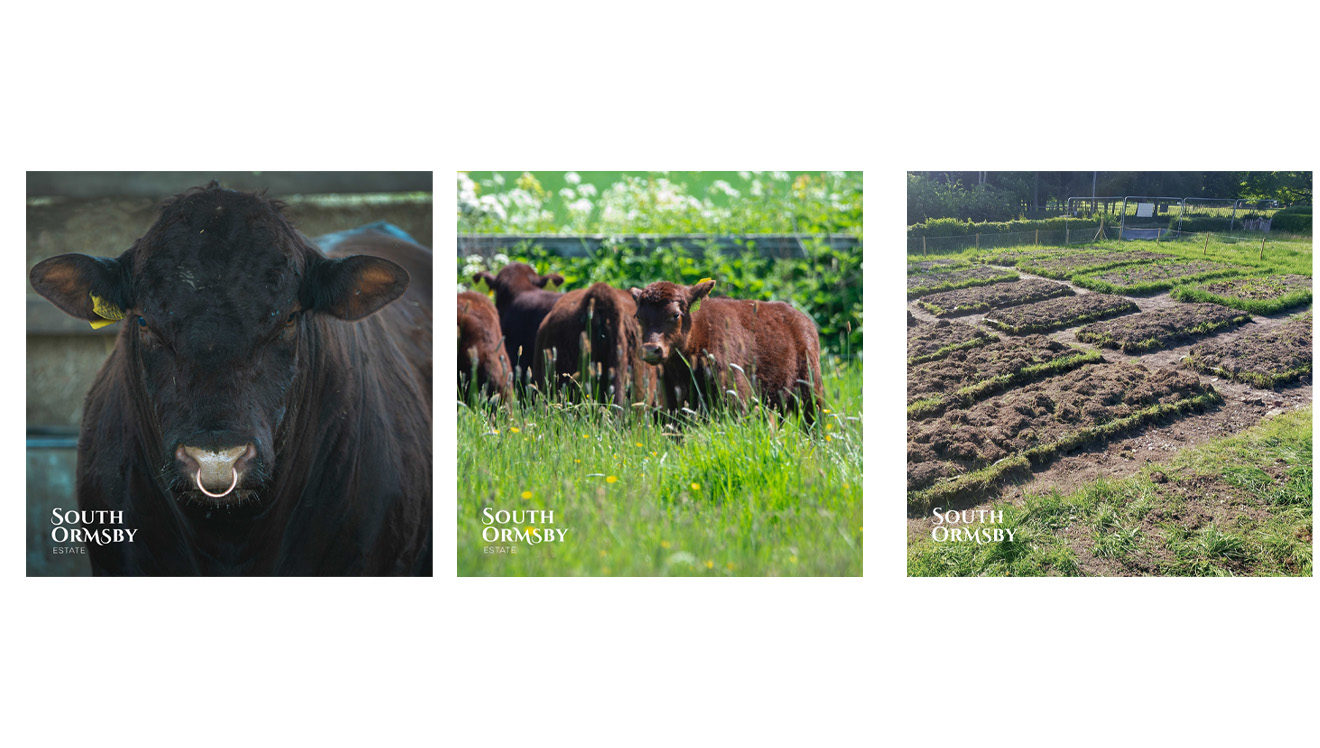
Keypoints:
pixel 969 375
pixel 1056 314
pixel 1066 266
pixel 929 341
pixel 1153 278
pixel 1156 329
pixel 1265 358
pixel 1043 418
pixel 921 284
pixel 936 266
pixel 1265 294
pixel 972 300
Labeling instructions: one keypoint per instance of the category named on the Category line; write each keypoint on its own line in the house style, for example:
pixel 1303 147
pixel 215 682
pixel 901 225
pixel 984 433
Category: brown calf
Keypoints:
pixel 481 347
pixel 720 345
pixel 600 321
pixel 523 303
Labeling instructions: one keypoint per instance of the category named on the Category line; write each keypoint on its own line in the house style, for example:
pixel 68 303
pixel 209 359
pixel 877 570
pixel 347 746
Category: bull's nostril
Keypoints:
pixel 216 472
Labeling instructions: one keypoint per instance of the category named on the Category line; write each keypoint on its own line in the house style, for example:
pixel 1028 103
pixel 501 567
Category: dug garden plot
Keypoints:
pixel 1066 266
pixel 1265 359
pixel 1013 257
pixel 1060 313
pixel 930 341
pixel 965 376
pixel 922 284
pixel 1144 280
pixel 997 296
pixel 1261 295
pixel 959 455
pixel 1161 328
pixel 936 266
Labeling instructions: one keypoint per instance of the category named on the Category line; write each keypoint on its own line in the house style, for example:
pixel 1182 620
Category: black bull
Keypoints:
pixel 267 406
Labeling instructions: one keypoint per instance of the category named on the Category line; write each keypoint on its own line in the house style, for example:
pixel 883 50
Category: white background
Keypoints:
pixel 680 85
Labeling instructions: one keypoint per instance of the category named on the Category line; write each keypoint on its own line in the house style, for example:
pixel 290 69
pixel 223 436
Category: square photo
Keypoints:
pixel 659 373
pixel 229 373
pixel 1109 373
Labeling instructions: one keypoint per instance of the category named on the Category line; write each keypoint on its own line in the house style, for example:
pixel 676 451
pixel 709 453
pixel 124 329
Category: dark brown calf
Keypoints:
pixel 722 345
pixel 523 302
pixel 481 348
pixel 601 322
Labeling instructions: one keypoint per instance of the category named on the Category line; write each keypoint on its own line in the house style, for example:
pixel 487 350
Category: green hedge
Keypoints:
pixel 954 227
pixel 1293 220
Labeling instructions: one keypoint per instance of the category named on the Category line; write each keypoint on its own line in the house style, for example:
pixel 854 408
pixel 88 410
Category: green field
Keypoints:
pixel 723 496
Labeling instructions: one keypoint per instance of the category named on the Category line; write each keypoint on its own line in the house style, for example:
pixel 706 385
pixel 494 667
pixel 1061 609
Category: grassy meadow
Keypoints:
pixel 719 496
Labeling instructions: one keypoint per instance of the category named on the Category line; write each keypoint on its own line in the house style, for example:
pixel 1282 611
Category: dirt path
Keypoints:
pixel 1243 406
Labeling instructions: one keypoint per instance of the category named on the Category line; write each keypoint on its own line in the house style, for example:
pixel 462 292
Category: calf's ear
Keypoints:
pixel 90 288
pixel 483 281
pixel 552 280
pixel 698 292
pixel 353 287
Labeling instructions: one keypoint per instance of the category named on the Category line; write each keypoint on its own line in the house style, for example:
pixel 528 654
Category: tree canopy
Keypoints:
pixel 1005 195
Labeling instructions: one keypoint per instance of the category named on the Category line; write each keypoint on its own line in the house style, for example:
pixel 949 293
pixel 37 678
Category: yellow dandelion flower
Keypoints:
pixel 612 479
pixel 637 443
pixel 710 564
pixel 827 410
pixel 527 494
pixel 664 543
pixel 829 438
pixel 516 430
pixel 653 454
pixel 578 461
pixel 584 436
pixel 729 566
pixel 792 559
pixel 696 486
pixel 495 431
pixel 829 426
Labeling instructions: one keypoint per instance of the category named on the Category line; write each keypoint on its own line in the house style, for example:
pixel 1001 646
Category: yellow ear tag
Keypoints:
pixel 109 313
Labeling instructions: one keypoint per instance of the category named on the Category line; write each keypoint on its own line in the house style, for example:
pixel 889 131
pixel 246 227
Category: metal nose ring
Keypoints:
pixel 217 495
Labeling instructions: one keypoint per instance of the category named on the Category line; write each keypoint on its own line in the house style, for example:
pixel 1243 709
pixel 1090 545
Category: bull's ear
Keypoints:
pixel 353 287
pixel 636 294
pixel 550 279
pixel 90 288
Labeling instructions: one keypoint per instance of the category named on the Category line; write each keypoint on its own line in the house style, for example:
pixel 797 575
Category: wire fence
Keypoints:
pixel 941 245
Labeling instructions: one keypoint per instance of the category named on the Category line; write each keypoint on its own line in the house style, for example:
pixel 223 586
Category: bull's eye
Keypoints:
pixel 142 322
pixel 675 316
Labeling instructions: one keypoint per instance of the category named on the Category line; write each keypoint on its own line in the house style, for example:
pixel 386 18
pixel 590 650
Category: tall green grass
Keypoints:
pixel 721 495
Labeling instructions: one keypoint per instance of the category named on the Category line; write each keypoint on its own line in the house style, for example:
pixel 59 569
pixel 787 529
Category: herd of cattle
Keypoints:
pixel 666 345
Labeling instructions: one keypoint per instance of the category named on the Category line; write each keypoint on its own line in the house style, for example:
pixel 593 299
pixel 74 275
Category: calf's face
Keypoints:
pixel 664 311
pixel 219 299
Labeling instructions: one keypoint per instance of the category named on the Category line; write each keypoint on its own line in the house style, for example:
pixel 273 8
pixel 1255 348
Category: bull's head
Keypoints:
pixel 664 311
pixel 220 301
